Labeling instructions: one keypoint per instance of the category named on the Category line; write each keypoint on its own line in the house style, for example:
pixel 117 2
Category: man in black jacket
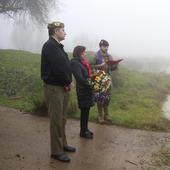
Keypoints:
pixel 57 77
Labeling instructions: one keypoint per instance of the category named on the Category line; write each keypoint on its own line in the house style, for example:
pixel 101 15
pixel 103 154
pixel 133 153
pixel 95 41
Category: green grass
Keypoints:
pixel 136 102
pixel 19 76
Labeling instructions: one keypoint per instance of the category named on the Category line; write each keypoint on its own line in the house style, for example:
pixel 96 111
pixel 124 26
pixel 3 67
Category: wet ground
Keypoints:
pixel 24 145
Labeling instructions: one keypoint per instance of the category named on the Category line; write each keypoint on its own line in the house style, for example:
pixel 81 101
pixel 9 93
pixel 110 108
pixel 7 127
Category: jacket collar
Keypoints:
pixel 56 42
pixel 77 59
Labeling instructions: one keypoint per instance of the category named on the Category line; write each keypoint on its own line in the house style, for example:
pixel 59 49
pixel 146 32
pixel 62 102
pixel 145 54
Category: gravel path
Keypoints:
pixel 24 145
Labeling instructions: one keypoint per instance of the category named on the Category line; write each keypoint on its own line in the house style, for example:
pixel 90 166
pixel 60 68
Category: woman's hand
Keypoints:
pixel 101 66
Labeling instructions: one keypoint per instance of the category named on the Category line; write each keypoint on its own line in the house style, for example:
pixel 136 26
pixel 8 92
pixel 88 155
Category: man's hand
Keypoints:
pixel 67 88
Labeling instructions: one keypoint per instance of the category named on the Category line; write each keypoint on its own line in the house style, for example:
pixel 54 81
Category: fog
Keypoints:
pixel 134 28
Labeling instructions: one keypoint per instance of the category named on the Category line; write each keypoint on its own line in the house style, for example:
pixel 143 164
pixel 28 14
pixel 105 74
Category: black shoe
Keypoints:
pixel 90 131
pixel 61 157
pixel 69 149
pixel 86 135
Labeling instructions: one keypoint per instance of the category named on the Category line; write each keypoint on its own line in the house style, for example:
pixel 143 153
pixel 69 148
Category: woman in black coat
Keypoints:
pixel 82 71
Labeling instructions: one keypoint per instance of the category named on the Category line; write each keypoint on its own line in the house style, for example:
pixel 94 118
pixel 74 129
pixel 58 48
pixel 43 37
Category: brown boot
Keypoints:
pixel 100 120
pixel 106 114
pixel 107 118
pixel 100 113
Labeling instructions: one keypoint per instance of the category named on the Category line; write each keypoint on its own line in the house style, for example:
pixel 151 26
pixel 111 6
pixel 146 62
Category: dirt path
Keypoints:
pixel 24 145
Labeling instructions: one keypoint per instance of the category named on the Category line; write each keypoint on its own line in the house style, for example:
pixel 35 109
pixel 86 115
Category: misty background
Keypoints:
pixel 137 30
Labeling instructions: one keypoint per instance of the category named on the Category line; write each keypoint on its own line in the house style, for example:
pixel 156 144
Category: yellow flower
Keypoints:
pixel 96 87
pixel 97 78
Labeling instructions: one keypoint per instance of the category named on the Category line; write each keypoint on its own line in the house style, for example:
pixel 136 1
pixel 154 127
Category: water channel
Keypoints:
pixel 166 108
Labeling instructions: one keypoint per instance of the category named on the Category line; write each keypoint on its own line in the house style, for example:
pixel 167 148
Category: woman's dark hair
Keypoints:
pixel 78 50
pixel 103 43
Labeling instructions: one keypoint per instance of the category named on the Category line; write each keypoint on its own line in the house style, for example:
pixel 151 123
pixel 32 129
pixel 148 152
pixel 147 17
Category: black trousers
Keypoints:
pixel 84 118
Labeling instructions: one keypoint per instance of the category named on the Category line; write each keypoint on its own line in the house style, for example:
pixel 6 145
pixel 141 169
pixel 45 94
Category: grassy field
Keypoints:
pixel 136 102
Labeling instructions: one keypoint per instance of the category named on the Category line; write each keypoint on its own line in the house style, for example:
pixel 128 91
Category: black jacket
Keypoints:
pixel 84 92
pixel 55 64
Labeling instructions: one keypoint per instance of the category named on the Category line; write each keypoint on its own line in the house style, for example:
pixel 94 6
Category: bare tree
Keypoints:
pixel 37 9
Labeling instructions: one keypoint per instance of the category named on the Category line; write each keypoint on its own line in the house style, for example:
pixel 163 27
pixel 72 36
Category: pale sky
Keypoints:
pixel 132 27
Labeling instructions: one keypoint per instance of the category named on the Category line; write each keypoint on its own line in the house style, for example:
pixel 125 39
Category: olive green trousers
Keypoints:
pixel 102 111
pixel 57 103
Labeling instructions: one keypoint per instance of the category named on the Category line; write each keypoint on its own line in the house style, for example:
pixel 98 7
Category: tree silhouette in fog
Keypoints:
pixel 37 9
